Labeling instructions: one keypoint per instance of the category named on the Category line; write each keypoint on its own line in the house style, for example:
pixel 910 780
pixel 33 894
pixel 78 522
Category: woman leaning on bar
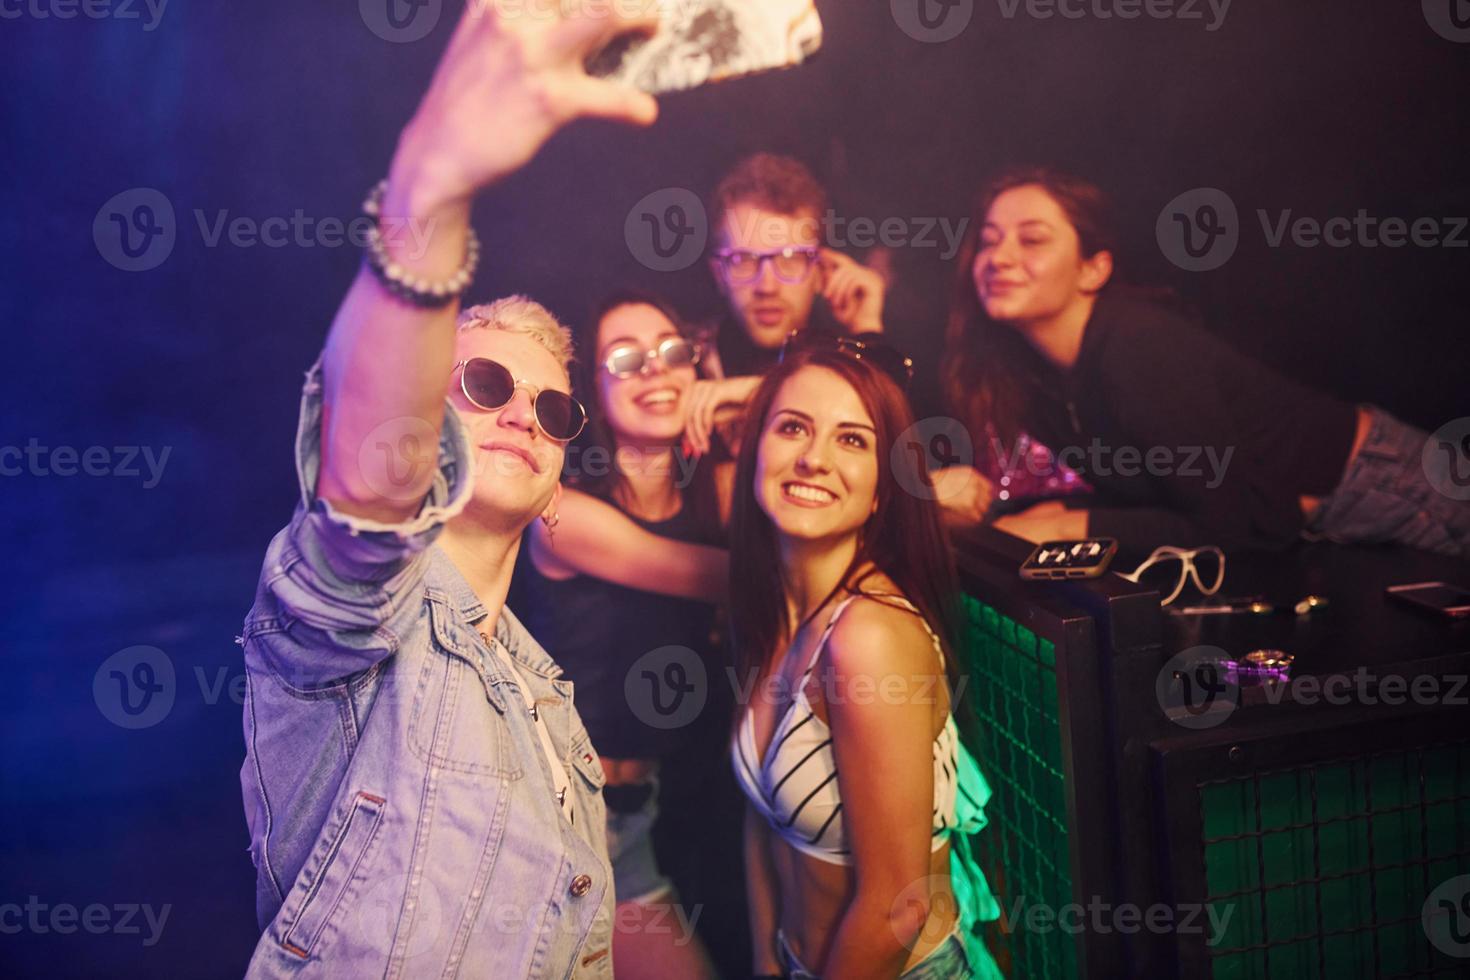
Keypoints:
pixel 1040 339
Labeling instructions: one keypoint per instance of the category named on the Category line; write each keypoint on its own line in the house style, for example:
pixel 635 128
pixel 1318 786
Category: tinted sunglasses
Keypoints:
pixel 490 385
pixel 889 360
pixel 627 360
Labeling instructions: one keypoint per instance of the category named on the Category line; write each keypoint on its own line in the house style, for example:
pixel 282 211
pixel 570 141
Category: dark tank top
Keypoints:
pixel 600 633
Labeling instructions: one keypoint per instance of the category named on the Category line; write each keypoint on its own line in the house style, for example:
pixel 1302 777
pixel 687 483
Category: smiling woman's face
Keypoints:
pixel 650 407
pixel 816 472
pixel 1029 266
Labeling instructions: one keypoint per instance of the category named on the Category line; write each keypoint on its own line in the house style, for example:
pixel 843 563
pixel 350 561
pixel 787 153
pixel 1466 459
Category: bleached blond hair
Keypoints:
pixel 521 314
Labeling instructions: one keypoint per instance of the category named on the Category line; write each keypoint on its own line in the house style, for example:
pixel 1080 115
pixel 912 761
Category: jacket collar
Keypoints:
pixel 509 631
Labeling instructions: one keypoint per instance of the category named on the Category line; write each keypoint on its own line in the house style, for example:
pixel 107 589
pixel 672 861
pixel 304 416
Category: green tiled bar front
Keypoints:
pixel 1346 850
pixel 1024 850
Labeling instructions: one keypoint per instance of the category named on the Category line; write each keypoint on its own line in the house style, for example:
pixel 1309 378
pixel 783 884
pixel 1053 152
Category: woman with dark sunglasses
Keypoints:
pixel 620 589
pixel 1186 441
pixel 848 750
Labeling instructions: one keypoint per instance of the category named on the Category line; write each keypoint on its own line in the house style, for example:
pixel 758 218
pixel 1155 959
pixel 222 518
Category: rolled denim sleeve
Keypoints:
pixel 344 590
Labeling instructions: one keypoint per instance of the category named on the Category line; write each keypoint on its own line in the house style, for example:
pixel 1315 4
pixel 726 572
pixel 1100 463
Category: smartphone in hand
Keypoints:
pixel 700 41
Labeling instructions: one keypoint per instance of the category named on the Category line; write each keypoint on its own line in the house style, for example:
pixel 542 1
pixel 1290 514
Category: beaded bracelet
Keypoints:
pixel 397 280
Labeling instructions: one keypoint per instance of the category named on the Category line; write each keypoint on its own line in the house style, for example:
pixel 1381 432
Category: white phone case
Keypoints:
pixel 701 41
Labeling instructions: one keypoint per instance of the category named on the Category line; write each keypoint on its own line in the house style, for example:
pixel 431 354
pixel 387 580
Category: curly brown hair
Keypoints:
pixel 771 182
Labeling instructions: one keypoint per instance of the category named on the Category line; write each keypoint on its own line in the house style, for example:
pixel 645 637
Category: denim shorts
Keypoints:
pixel 1389 495
pixel 947 961
pixel 636 877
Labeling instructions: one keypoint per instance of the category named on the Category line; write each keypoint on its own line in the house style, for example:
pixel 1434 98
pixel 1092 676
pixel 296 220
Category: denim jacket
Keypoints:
pixel 402 816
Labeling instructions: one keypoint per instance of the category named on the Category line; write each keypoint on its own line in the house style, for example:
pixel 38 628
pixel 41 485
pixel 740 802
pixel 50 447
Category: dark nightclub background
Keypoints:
pixel 290 111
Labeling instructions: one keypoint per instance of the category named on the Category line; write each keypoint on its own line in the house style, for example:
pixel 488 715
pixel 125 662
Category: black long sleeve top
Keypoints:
pixel 1187 441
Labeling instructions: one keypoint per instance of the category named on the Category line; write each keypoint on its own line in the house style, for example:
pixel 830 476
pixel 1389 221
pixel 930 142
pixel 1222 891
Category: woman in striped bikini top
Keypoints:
pixel 854 780
pixel 794 787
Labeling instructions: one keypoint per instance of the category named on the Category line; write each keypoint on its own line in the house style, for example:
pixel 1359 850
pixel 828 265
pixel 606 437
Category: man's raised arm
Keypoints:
pixel 504 85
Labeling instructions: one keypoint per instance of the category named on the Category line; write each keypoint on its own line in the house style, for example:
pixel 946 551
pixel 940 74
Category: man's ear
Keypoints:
pixel 1096 271
pixel 718 272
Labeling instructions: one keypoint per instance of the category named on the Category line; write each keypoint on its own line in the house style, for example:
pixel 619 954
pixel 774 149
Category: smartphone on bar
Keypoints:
pixel 1440 598
pixel 1087 558
pixel 701 41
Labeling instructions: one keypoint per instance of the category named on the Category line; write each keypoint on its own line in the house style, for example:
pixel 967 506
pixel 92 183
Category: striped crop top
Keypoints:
pixel 795 788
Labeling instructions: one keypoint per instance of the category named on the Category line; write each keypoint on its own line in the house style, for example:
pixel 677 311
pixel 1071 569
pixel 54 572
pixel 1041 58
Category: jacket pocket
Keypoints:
pixel 588 788
pixel 454 727
pixel 341 864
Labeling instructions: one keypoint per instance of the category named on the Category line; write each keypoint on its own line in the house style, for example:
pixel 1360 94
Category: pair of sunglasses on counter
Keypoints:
pixel 490 385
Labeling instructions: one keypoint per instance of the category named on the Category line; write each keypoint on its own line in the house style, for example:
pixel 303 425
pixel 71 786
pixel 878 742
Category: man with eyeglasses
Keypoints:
pixel 771 266
pixel 422 797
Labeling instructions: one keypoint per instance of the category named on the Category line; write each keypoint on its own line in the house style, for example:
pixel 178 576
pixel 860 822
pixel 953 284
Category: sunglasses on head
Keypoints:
pixel 887 359
pixel 628 360
pixel 490 385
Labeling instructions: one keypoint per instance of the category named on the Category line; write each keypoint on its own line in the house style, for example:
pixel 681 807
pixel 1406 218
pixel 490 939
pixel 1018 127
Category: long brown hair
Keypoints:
pixel 904 538
pixel 980 355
